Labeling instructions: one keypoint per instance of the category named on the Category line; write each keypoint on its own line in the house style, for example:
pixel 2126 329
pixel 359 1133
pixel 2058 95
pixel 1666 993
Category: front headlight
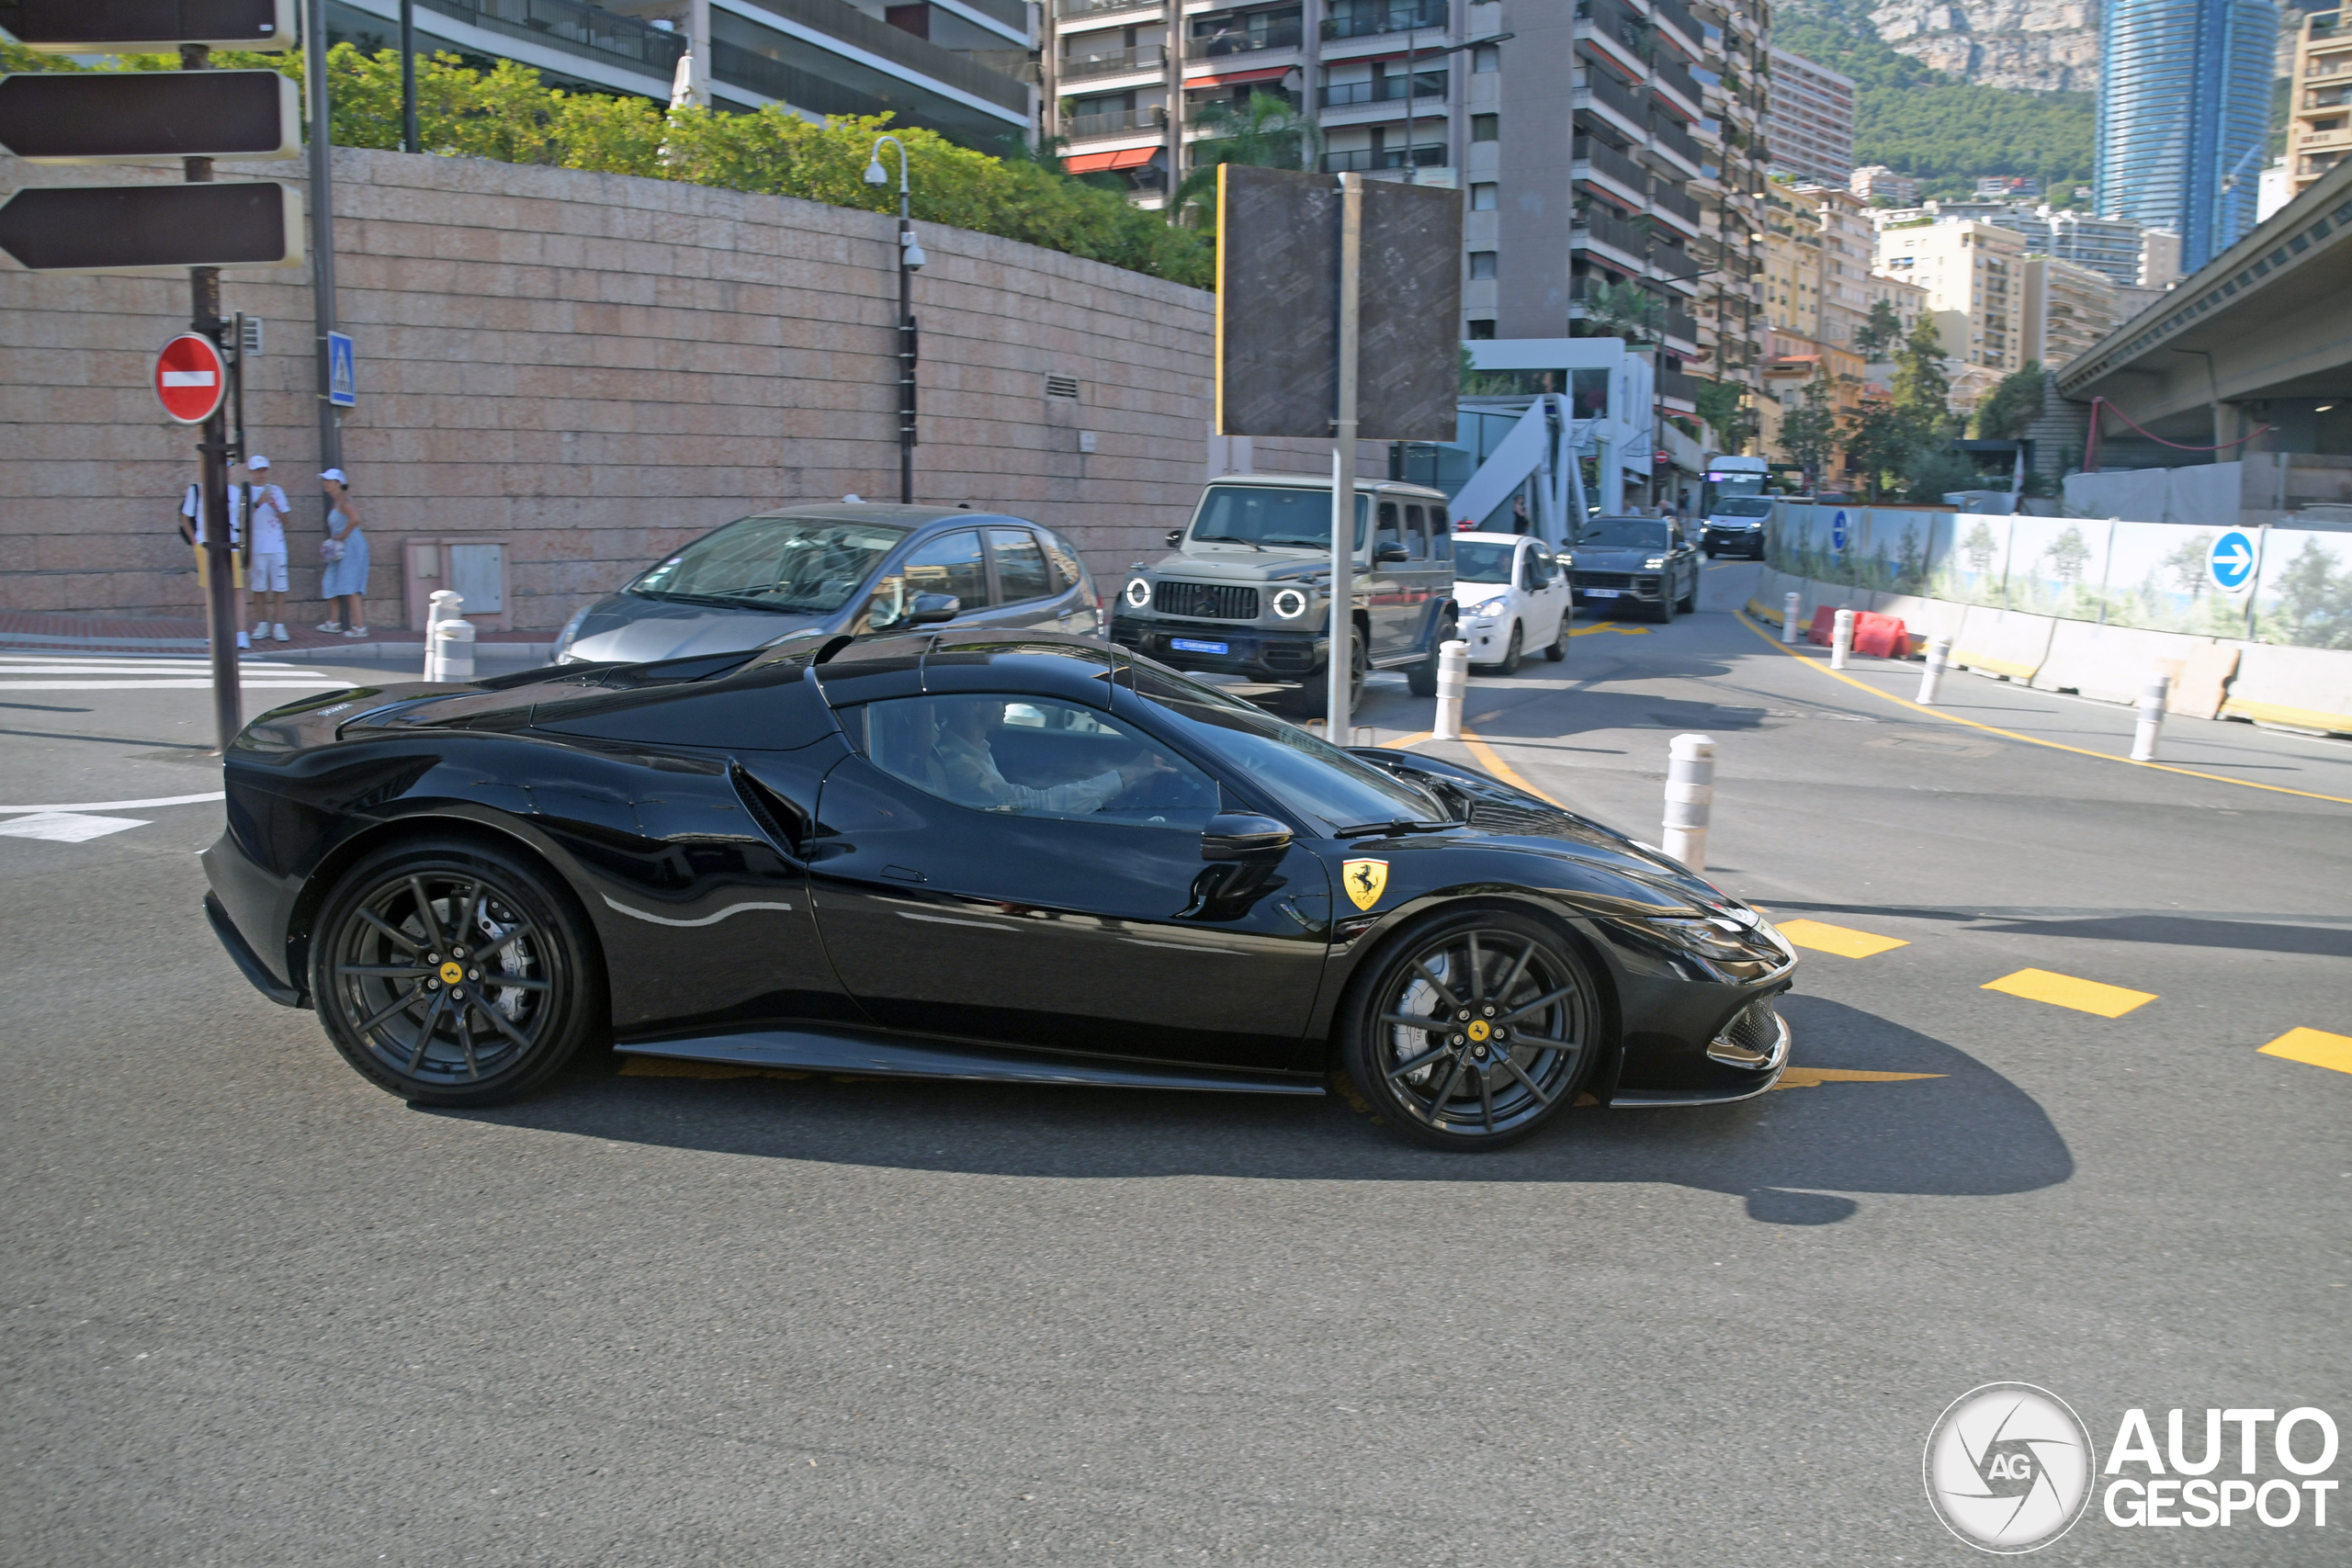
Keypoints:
pixel 1137 593
pixel 1289 604
pixel 570 633
pixel 1653 563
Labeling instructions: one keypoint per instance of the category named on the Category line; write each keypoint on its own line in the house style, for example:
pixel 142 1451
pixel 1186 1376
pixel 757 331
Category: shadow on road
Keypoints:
pixel 1965 1133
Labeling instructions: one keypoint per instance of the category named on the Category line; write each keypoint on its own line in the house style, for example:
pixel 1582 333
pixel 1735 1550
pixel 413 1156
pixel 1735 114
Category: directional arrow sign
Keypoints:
pixel 103 117
pixel 1837 530
pixel 2231 561
pixel 148 26
pixel 138 228
pixel 190 378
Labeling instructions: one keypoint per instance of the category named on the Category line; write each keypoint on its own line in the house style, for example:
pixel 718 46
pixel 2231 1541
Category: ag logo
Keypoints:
pixel 1365 880
pixel 2008 1467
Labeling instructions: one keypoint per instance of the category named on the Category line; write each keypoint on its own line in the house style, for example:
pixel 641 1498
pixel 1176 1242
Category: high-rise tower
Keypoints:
pixel 2184 114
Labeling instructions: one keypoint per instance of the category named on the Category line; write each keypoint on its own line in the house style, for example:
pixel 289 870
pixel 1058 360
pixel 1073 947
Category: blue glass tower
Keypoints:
pixel 2184 114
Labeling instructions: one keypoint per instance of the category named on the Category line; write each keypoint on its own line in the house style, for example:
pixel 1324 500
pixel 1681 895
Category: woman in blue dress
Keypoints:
pixel 346 554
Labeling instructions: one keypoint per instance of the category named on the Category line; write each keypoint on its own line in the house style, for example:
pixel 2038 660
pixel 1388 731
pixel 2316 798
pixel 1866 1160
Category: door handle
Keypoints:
pixel 903 874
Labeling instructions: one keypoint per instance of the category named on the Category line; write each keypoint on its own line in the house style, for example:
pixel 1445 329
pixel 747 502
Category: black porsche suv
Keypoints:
pixel 1248 591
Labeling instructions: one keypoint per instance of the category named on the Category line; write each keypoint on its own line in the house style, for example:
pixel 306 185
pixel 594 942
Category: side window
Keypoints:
pixel 950 564
pixel 1392 528
pixel 1417 528
pixel 1019 566
pixel 1544 567
pixel 1031 756
pixel 1068 572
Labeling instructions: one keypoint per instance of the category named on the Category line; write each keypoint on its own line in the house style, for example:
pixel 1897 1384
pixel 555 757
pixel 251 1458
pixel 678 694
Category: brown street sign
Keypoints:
pixel 113 116
pixel 138 228
pixel 148 26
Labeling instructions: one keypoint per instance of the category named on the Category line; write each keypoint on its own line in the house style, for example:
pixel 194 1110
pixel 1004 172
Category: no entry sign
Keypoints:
pixel 190 378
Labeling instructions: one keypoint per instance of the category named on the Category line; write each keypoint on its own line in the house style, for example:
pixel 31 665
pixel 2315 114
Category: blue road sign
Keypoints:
pixel 1837 531
pixel 2231 561
pixel 343 371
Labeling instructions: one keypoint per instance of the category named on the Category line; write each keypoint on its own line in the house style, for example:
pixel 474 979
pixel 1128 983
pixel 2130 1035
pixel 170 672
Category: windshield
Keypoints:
pixel 1275 515
pixel 775 563
pixel 1482 560
pixel 1322 784
pixel 1738 508
pixel 1626 533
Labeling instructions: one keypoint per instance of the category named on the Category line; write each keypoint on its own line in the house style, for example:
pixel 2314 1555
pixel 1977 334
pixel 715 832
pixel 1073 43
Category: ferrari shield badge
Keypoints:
pixel 1366 879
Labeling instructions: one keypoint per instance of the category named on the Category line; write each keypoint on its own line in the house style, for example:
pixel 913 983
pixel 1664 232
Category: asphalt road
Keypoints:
pixel 256 1312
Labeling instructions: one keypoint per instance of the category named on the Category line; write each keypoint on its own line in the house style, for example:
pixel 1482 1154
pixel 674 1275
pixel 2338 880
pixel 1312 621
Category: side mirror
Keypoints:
pixel 1388 553
pixel 1175 538
pixel 1240 838
pixel 930 609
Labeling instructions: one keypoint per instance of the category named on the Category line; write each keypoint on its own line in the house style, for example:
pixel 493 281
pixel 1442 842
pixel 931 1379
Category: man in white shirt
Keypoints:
pixel 261 506
pixel 192 530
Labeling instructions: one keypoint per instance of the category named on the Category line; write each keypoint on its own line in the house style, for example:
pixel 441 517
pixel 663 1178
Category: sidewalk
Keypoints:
pixel 41 631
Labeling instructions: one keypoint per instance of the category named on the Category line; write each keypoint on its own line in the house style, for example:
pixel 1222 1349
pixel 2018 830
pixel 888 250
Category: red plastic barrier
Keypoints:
pixel 1825 625
pixel 1882 637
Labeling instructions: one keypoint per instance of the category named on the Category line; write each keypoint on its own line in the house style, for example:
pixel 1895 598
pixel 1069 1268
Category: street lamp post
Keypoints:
pixel 910 261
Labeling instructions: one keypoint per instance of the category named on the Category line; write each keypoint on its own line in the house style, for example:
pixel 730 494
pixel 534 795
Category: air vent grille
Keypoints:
pixel 1061 387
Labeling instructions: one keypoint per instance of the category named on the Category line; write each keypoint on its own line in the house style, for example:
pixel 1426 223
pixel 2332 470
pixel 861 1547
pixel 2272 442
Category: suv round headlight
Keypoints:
pixel 1139 592
pixel 1289 604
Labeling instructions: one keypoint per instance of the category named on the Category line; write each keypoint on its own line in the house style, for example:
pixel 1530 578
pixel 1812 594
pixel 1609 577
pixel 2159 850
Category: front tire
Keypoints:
pixel 449 972
pixel 1689 602
pixel 1471 1031
pixel 1312 700
pixel 1514 651
pixel 1422 679
pixel 1557 649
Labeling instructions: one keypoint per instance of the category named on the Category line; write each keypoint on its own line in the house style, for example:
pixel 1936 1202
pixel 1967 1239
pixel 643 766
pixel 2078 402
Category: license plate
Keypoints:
pixel 1603 593
pixel 1194 645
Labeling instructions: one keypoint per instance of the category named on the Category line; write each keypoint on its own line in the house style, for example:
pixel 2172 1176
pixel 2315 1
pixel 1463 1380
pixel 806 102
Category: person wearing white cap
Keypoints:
pixel 263 507
pixel 345 552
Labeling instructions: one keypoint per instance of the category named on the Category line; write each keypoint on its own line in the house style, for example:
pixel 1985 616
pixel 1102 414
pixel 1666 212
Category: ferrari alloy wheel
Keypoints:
pixel 1472 1030
pixel 451 975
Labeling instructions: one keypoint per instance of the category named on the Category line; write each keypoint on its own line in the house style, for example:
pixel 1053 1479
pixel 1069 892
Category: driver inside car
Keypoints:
pixel 961 766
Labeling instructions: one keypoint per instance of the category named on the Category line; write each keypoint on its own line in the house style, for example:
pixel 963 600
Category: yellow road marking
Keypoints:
pixel 1492 761
pixel 1402 741
pixel 2313 1047
pixel 1818 664
pixel 1843 941
pixel 1814 1077
pixel 1612 627
pixel 2065 991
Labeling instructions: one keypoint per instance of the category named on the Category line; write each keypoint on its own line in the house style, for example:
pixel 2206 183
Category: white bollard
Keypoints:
pixel 2151 728
pixel 1689 795
pixel 449 655
pixel 1841 640
pixel 1939 655
pixel 443 606
pixel 1452 681
pixel 1792 611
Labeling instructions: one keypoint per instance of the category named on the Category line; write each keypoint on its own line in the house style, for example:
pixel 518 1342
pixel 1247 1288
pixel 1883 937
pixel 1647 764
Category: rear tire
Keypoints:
pixel 450 973
pixel 1407 1046
pixel 1422 679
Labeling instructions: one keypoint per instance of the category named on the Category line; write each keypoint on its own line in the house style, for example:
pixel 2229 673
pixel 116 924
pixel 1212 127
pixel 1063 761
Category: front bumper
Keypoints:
pixel 1257 653
pixel 1746 541
pixel 1617 587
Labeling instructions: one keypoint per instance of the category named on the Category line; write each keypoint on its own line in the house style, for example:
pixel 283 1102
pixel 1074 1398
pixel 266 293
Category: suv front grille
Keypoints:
pixel 1206 600
pixel 1602 579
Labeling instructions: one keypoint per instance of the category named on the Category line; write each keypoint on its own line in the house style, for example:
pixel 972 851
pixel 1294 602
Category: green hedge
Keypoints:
pixel 508 115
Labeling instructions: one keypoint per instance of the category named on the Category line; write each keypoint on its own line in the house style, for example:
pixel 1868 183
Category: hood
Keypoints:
pixel 631 630
pixel 1613 558
pixel 1244 566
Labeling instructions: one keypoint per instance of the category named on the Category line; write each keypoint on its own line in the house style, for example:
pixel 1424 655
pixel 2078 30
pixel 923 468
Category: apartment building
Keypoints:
pixel 1879 186
pixel 2126 254
pixel 2319 106
pixel 1811 125
pixel 1819 252
pixel 2068 310
pixel 1974 275
pixel 959 69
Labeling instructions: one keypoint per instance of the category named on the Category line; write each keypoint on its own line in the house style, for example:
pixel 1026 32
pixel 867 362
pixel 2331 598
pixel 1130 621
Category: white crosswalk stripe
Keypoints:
pixel 100 672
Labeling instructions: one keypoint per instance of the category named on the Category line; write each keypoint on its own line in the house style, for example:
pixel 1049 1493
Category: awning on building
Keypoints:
pixel 1226 78
pixel 1122 158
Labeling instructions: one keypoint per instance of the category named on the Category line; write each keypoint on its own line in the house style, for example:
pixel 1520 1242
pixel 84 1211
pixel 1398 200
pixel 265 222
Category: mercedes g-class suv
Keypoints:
pixel 1248 592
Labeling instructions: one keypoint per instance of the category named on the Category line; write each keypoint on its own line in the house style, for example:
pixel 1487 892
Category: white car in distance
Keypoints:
pixel 1513 593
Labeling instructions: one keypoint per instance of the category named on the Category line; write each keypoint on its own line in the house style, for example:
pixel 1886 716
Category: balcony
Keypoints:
pixel 1604 231
pixel 1244 41
pixel 1114 122
pixel 1615 30
pixel 1113 62
pixel 1388 89
pixel 1093 7
pixel 1364 160
pixel 1675 386
pixel 1677 208
pixel 1678 25
pixel 1602 95
pixel 1677 87
pixel 1681 327
pixel 584 30
pixel 1673 264
pixel 1365 18
pixel 1604 166
pixel 1669 138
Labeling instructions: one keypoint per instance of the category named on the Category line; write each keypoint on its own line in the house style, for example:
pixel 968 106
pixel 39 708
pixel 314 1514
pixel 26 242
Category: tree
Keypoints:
pixel 1724 405
pixel 1622 309
pixel 1922 389
pixel 1267 132
pixel 1876 338
pixel 1809 434
pixel 2068 555
pixel 1879 444
pixel 1979 547
pixel 2014 404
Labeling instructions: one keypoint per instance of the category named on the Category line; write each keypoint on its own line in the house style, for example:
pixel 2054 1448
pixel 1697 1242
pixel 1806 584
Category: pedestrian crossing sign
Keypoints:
pixel 342 373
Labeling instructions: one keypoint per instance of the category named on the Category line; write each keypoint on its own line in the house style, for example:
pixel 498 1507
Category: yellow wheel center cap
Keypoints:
pixel 1479 1030
pixel 453 972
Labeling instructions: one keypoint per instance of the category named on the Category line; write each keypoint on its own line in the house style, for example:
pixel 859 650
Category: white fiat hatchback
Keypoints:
pixel 1513 593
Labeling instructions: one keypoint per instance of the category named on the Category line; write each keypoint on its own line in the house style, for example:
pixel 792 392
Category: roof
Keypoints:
pixel 1317 482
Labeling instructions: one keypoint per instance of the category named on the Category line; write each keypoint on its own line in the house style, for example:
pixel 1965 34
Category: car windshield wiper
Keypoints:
pixel 1228 539
pixel 1394 825
pixel 720 601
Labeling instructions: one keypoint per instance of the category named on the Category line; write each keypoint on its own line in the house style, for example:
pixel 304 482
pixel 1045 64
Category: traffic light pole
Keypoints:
pixel 221 614
pixel 315 83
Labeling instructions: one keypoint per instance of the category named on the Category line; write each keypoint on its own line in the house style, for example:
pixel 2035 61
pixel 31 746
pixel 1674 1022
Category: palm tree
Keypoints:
pixel 1622 309
pixel 1268 133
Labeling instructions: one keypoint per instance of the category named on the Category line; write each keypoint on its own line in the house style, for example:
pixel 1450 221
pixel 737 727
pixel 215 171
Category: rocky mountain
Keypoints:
pixel 2043 45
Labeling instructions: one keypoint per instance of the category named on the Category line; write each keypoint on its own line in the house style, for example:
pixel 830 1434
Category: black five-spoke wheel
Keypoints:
pixel 450 974
pixel 1472 1030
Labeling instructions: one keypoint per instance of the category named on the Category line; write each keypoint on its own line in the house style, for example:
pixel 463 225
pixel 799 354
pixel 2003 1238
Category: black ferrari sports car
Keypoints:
pixel 1025 857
